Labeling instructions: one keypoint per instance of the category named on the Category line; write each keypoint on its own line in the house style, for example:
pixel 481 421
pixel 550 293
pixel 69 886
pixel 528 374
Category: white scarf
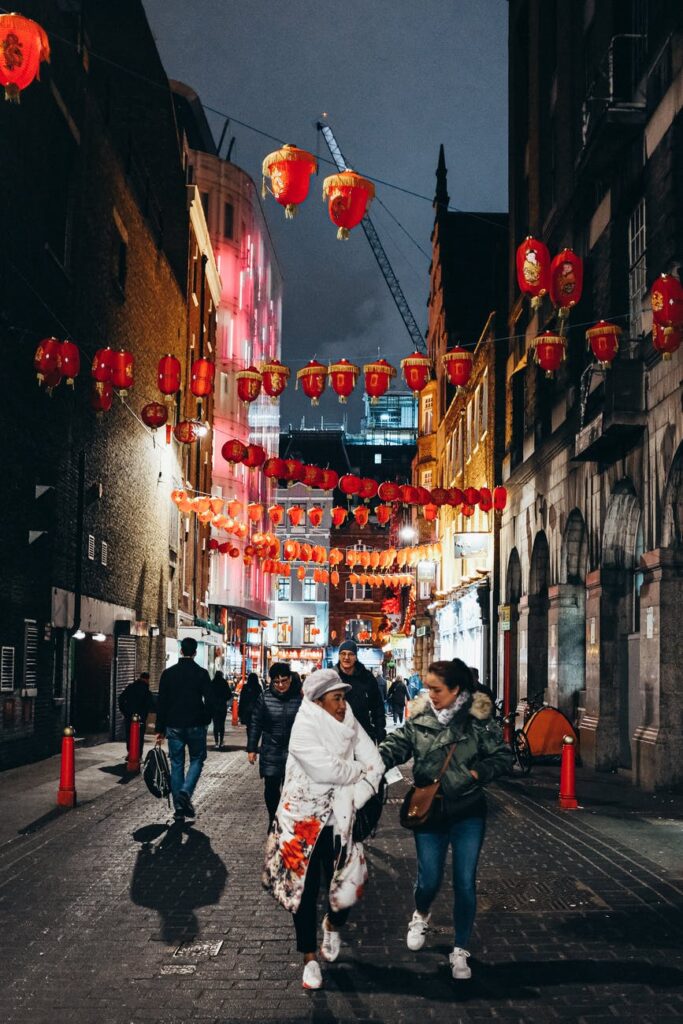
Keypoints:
pixel 335 736
pixel 445 716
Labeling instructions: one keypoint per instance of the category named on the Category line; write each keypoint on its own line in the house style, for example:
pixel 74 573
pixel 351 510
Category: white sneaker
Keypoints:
pixel 460 969
pixel 312 975
pixel 417 930
pixel 331 943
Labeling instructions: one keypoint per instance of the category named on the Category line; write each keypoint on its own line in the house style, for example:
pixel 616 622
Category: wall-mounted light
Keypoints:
pixel 79 635
pixel 100 637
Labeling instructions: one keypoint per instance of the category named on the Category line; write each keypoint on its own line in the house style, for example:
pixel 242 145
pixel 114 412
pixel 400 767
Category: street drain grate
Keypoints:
pixel 193 949
pixel 551 894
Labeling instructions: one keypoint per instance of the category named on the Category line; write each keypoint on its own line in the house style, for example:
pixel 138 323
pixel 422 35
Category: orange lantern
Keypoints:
pixel 291 550
pixel 339 515
pixel 122 366
pixel 234 451
pixel 343 376
pixel 666 297
pixel 334 578
pixel 364 559
pixel 367 488
pixel 549 351
pixel 666 340
pixel 377 379
pixel 154 415
pixel 276 514
pixel 289 170
pixel 234 507
pixel 201 378
pixel 533 269
pixel 295 514
pixel 301 573
pixel 604 342
pixel 457 362
pixel 361 514
pixel 329 479
pixel 354 578
pixel 389 491
pixel 305 552
pixel 178 495
pixel 101 396
pixel 70 362
pixel 255 457
pixel 23 47
pixel 416 371
pixel 351 557
pixel 248 384
pixel 313 378
pixel 431 512
pixel 315 515
pixel 374 559
pixel 383 513
pixel 168 376
pixel 216 505
pixel 348 196
pixel 185 432
pixel 274 377
pixel 336 556
pixel 566 281
pixel 48 355
pixel 254 512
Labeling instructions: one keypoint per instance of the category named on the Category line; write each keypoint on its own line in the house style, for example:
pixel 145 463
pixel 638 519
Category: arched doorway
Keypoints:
pixel 537 636
pixel 567 620
pixel 513 592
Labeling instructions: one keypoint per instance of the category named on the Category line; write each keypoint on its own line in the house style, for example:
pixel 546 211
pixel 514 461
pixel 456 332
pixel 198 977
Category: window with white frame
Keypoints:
pixel 284 629
pixel 637 268
pixel 358 592
pixel 424 589
pixel 427 478
pixel 427 414
pixel 309 589
pixel 309 637
pixel 484 405
pixel 458 452
pixel 284 588
pixel 475 417
pixel 468 431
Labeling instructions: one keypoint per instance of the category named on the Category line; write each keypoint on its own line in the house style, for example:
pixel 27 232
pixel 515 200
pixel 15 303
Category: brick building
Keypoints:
pixel 590 542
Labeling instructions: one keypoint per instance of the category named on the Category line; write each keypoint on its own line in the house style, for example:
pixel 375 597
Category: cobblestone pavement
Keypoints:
pixel 110 916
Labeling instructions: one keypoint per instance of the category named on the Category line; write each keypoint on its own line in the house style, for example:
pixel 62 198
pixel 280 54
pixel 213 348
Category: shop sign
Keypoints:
pixel 466 545
pixel 504 617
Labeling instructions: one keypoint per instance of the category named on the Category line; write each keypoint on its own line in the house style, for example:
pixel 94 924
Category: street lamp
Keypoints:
pixel 407 533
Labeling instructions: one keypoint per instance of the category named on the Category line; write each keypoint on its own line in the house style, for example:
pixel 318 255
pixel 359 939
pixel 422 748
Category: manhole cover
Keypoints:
pixel 193 949
pixel 546 895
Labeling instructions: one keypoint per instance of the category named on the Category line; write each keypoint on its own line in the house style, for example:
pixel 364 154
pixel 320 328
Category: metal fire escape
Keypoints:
pixel 377 248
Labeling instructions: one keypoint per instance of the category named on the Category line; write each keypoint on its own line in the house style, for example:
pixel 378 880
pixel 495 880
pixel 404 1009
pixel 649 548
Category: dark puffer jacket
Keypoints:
pixel 365 700
pixel 271 723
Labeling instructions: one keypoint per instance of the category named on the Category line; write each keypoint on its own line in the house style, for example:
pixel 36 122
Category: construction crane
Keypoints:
pixel 377 248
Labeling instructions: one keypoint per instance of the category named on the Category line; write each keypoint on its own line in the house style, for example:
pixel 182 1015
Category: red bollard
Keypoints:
pixel 66 794
pixel 568 801
pixel 133 763
pixel 235 706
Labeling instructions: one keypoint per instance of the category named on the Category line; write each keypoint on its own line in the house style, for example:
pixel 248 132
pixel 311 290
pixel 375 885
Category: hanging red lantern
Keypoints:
pixel 533 269
pixel 234 507
pixel 201 378
pixel 467 510
pixel 168 376
pixel 315 515
pixel 348 196
pixel 234 451
pixel 349 484
pixel 457 362
pixel 254 511
pixel 275 469
pixel 294 469
pixel 122 368
pixel 604 342
pixel 383 513
pixel 424 497
pixel 274 377
pixel 329 479
pixel 472 496
pixel 430 512
pixel 500 498
pixel 367 488
pixel 455 497
pixel 439 496
pixel 334 578
pixel 69 362
pixel 291 550
pixel 101 370
pixel 154 415
pixel 225 547
pixel 23 46
pixel 339 515
pixel 485 499
pixel 47 359
pixel 343 376
pixel 389 491
pixel 234 552
pixel 305 552
pixel 666 297
pixel 666 340
pixel 311 476
pixel 416 371
pixel 295 514
pixel 378 377
pixel 185 432
pixel 301 573
pixel 549 351
pixel 101 396
pixel 289 170
pixel 566 281
pixel 248 384
pixel 313 377
pixel 409 495
pixel 336 556
pixel 276 514
pixel 255 457
pixel 361 514
pixel 213 544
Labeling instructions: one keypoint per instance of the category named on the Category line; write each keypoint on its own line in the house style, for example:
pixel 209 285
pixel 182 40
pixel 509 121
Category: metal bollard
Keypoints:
pixel 567 800
pixel 133 763
pixel 66 794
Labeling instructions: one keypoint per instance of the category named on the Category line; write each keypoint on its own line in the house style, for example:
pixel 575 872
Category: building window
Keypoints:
pixel 427 478
pixel 468 432
pixel 636 267
pixel 284 629
pixel 378 458
pixel 205 203
pixel 424 589
pixel 484 405
pixel 228 219
pixel 358 592
pixel 475 417
pixel 428 414
pixel 358 628
pixel 30 653
pixel 310 588
pixel 284 589
pixel 309 626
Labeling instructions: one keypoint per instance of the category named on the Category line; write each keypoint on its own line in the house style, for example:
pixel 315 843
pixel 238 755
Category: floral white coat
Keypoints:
pixel 333 769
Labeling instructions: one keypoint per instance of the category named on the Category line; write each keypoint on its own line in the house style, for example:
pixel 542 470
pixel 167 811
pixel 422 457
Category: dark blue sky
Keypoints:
pixel 397 78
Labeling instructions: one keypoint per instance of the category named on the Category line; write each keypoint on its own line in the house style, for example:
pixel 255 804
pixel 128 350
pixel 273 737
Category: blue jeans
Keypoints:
pixel 466 838
pixel 194 738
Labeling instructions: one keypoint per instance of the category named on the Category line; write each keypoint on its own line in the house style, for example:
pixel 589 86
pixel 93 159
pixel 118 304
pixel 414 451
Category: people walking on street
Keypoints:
pixel 364 698
pixel 381 686
pixel 137 699
pixel 249 694
pixel 185 708
pixel 450 720
pixel 398 696
pixel 271 724
pixel 332 771
pixel 221 696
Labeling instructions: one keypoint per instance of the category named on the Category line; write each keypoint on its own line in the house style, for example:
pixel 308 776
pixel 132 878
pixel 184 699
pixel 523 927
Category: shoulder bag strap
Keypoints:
pixel 444 766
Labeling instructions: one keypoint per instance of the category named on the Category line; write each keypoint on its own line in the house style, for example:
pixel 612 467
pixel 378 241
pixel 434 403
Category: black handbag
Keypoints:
pixel 367 817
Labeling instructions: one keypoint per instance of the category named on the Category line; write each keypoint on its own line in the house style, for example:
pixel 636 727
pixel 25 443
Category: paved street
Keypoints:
pixel 109 916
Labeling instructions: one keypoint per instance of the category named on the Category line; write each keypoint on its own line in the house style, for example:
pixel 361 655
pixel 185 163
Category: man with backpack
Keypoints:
pixel 136 699
pixel 184 710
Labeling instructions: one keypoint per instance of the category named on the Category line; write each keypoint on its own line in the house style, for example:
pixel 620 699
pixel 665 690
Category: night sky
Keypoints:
pixel 397 78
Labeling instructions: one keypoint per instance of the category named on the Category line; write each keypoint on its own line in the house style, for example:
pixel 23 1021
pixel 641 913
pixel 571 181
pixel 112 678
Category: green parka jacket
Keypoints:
pixel 479 746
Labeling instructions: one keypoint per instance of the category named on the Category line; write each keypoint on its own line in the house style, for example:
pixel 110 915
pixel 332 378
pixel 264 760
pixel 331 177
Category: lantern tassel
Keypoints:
pixel 264 191
pixel 291 211
pixel 12 94
pixel 343 234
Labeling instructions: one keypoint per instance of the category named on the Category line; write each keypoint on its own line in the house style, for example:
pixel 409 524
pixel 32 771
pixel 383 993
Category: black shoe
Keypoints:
pixel 185 805
pixel 179 816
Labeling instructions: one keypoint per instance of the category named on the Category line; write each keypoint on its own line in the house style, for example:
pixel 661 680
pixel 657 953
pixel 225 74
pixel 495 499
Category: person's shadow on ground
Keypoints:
pixel 176 876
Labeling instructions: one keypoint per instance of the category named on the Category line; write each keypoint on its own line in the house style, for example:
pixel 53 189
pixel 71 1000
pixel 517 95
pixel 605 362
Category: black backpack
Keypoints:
pixel 157 773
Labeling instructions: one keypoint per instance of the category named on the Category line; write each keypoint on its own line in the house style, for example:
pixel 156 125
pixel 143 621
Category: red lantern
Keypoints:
pixel 69 362
pixel 311 476
pixel 566 281
pixel 305 552
pixel 254 511
pixel 276 514
pixel 201 378
pixel 439 496
pixel 485 499
pixel 549 351
pixel 455 497
pixel 339 515
pixel 101 396
pixel 343 376
pixel 348 196
pixel 328 479
pixel 349 484
pixel 234 552
pixel 472 496
pixel 334 578
pixel 185 432
pixel 289 170
pixel 255 457
pixel 666 340
pixel 225 547
pixel 234 507
pixel 47 358
pixel 294 470
pixel 295 514
pixel 275 469
pixel 416 371
pixel 234 451
pixel 457 362
pixel 409 495
pixel 248 384
pixel 604 342
pixel 500 498
pixel 431 512
pixel 367 488
pixel 122 364
pixel 291 550
pixel 467 510
pixel 301 573
pixel 213 544
pixel 383 513
pixel 389 491
pixel 313 377
pixel 315 515
pixel 168 376
pixel 377 379
pixel 424 497
pixel 23 46
pixel 666 298
pixel 154 415
pixel 102 366
pixel 361 514
pixel 533 269
pixel 274 376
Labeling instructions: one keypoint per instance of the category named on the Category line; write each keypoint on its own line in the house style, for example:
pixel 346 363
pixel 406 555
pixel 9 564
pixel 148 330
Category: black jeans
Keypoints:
pixel 272 786
pixel 219 726
pixel 397 711
pixel 305 919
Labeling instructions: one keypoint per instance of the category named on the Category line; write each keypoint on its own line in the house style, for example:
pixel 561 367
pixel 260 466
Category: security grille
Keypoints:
pixel 6 669
pixel 126 649
pixel 105 552
pixel 30 676
pixel 91 547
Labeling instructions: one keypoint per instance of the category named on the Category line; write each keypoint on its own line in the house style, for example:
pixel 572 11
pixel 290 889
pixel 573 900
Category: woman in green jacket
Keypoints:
pixel 450 715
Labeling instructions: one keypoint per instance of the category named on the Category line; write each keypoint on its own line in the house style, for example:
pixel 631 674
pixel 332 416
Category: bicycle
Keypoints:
pixel 520 743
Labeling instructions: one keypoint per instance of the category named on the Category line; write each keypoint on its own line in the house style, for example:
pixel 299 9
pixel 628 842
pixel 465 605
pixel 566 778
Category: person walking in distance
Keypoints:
pixel 249 694
pixel 450 728
pixel 364 697
pixel 136 699
pixel 398 695
pixel 271 725
pixel 222 695
pixel 185 708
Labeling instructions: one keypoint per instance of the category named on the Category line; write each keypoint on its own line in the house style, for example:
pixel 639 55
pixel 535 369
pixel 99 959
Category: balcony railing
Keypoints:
pixel 615 100
pixel 611 428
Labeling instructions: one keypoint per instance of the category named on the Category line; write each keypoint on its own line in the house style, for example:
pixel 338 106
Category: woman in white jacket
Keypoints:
pixel 333 769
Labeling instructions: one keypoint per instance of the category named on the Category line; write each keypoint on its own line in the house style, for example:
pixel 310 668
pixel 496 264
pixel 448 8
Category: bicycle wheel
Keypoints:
pixel 522 752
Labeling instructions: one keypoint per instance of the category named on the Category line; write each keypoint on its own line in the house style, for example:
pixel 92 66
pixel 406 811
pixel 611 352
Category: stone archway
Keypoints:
pixel 567 620
pixel 537 622
pixel 510 632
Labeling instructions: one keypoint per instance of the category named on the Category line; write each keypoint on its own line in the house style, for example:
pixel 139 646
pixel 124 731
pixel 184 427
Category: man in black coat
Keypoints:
pixel 271 722
pixel 136 699
pixel 364 697
pixel 184 709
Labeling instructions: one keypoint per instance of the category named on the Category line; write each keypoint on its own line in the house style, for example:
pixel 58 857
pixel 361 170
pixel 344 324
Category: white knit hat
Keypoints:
pixel 321 682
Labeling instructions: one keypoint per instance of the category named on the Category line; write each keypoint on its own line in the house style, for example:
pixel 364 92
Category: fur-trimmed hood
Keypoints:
pixel 480 706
